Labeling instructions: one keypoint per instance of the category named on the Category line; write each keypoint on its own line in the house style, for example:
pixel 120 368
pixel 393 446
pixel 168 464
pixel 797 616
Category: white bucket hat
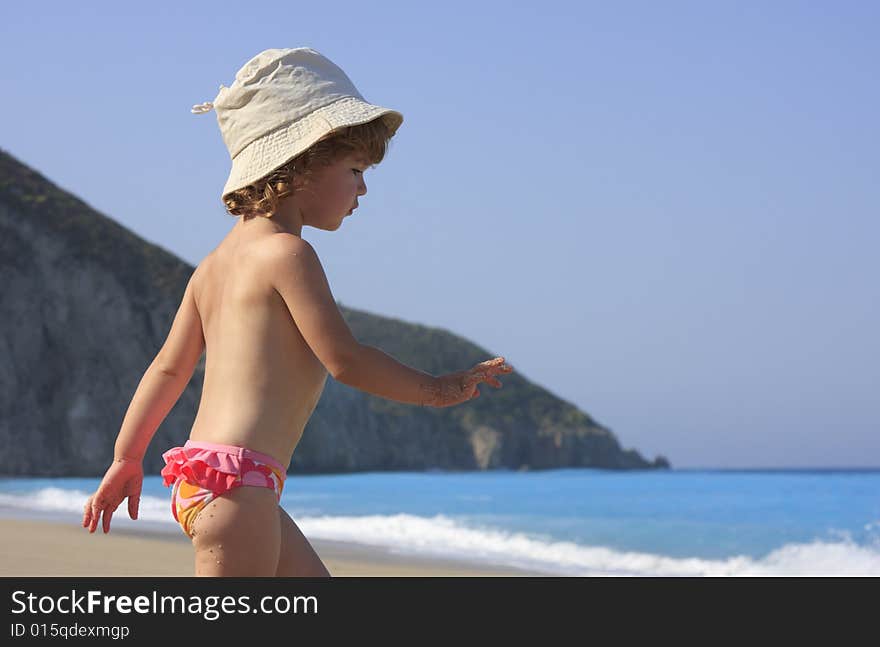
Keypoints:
pixel 281 102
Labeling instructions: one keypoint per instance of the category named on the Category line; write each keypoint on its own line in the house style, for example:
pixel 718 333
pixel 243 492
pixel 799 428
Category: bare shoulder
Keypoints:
pixel 198 276
pixel 297 276
pixel 288 256
pixel 288 244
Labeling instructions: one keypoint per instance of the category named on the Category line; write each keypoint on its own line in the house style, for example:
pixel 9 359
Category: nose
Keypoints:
pixel 362 187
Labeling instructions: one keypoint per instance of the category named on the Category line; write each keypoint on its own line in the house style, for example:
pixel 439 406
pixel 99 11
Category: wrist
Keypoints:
pixel 127 459
pixel 429 392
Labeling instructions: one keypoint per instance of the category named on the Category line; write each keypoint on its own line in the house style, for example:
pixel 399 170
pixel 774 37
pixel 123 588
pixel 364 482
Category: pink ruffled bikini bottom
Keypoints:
pixel 201 471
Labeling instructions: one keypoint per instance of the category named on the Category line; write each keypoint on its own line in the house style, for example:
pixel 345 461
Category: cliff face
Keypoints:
pixel 85 305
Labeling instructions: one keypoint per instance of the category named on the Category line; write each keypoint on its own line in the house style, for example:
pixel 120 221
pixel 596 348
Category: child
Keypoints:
pixel 300 136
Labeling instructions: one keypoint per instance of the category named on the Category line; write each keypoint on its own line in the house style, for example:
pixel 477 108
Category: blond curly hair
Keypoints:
pixel 261 198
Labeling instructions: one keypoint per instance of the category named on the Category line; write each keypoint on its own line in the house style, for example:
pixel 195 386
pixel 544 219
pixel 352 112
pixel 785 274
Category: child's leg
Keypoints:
pixel 238 534
pixel 298 558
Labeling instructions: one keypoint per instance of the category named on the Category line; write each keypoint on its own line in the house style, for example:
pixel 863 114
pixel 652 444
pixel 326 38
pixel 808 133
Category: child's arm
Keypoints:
pixel 300 281
pixel 164 380
pixel 160 387
pixel 375 372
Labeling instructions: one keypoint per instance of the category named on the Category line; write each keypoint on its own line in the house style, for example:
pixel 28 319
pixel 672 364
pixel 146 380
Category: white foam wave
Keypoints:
pixel 442 536
pixel 63 501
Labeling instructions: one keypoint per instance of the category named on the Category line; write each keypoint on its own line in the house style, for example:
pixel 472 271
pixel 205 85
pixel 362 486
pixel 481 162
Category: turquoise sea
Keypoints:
pixel 568 522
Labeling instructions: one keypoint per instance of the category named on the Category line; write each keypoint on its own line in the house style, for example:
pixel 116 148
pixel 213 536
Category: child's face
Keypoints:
pixel 333 192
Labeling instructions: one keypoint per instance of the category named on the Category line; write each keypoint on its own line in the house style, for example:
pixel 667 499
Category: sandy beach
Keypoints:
pixel 51 548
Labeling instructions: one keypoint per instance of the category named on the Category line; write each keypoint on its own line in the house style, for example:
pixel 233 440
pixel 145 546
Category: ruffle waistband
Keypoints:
pixel 214 470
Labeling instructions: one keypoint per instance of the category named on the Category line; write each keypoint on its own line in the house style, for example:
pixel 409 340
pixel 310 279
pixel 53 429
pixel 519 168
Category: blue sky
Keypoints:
pixel 664 214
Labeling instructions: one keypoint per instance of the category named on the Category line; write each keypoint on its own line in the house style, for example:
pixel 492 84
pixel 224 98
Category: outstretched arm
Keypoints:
pixel 300 281
pixel 373 371
pixel 459 387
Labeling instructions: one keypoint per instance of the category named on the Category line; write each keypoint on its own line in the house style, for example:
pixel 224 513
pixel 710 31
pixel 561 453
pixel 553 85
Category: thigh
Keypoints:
pixel 298 558
pixel 238 534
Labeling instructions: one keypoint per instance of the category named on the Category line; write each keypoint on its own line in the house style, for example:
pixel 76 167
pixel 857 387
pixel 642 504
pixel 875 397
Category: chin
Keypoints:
pixel 329 226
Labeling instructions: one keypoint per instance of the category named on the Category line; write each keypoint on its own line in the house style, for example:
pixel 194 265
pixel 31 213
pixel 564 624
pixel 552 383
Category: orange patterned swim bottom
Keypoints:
pixel 201 471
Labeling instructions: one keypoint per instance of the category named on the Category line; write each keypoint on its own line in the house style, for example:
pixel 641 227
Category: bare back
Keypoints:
pixel 262 381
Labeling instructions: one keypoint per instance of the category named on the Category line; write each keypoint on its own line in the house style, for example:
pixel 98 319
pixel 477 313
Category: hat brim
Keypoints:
pixel 264 155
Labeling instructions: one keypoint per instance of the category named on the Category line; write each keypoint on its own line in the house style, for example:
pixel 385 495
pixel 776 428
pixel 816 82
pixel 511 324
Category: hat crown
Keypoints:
pixel 281 102
pixel 274 89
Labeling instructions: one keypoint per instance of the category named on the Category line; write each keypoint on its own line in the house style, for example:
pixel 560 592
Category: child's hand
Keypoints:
pixel 124 478
pixel 459 387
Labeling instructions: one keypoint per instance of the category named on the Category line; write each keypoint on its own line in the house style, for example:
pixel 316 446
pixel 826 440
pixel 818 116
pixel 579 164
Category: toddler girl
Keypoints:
pixel 300 136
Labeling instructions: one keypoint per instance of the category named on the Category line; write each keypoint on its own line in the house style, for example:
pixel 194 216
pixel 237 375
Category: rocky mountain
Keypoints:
pixel 85 304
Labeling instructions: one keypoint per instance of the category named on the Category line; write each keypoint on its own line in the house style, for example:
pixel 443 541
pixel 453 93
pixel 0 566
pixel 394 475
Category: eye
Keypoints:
pixel 357 171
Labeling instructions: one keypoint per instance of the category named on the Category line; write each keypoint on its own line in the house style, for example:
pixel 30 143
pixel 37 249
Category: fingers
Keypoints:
pixel 465 382
pixel 494 367
pixel 94 508
pixel 133 502
pixel 108 514
pixel 486 371
pixel 87 512
pixel 487 378
pixel 94 514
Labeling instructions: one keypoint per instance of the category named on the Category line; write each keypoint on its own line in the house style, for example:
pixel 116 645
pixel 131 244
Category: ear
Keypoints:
pixel 297 182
